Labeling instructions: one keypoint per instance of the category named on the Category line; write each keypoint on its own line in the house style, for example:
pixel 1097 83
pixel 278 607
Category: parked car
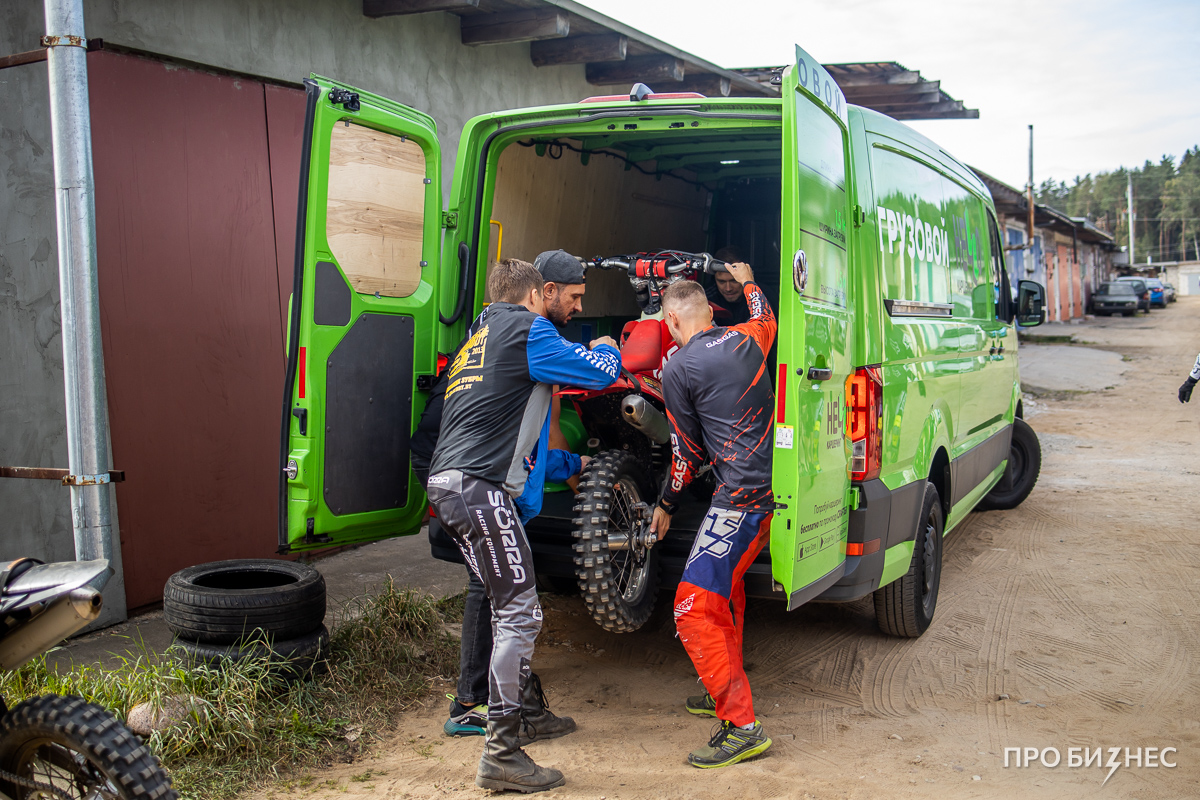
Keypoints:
pixel 1158 292
pixel 1141 288
pixel 1171 298
pixel 1115 297
pixel 899 407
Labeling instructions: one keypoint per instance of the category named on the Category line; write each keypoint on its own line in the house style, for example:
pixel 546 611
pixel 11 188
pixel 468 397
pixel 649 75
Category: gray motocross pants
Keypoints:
pixel 482 520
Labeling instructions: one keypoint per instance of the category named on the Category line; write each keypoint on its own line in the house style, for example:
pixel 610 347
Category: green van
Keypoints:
pixel 899 404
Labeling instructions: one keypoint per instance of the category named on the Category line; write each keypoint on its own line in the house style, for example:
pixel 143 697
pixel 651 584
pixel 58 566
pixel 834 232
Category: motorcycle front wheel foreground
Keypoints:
pixel 60 748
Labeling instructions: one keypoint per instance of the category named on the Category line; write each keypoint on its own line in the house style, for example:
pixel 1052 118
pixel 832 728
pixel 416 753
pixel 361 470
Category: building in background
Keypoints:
pixel 1069 255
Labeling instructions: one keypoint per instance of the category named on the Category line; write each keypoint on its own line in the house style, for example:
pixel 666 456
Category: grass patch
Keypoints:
pixel 249 725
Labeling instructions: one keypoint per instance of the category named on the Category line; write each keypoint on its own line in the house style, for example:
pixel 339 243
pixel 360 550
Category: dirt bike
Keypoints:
pixel 63 748
pixel 615 560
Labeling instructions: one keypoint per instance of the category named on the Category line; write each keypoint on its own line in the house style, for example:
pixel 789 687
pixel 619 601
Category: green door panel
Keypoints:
pixel 362 320
pixel 810 459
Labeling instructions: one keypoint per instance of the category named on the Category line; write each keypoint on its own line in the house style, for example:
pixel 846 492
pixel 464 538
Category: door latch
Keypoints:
pixel 819 374
pixel 292 470
pixel 344 98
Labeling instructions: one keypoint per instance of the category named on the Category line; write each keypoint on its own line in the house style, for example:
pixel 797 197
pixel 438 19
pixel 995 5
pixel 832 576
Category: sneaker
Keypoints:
pixel 701 705
pixel 466 721
pixel 730 745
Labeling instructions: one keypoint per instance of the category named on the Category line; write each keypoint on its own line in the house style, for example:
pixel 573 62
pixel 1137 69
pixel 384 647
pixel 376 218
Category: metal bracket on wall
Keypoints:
pixel 34 56
pixel 63 476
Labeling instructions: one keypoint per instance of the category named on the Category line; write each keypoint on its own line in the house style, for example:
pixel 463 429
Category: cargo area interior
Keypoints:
pixel 691 191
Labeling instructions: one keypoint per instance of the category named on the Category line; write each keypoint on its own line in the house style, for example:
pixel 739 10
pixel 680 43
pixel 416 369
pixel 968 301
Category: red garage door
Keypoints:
pixel 196 180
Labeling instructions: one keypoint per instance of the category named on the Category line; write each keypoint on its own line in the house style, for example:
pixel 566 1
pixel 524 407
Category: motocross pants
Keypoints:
pixel 710 605
pixel 482 520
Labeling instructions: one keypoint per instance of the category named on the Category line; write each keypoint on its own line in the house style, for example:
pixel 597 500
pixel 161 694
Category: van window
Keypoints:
pixel 375 209
pixel 997 270
pixel 914 229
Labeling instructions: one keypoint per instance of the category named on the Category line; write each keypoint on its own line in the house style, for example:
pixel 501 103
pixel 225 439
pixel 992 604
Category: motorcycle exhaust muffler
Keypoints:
pixel 63 617
pixel 646 418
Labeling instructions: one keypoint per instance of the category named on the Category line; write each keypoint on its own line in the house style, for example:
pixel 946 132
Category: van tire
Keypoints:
pixel 905 607
pixel 224 602
pixel 618 587
pixel 1021 474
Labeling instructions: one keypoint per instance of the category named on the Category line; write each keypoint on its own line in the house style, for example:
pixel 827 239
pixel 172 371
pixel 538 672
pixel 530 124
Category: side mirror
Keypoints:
pixel 1031 304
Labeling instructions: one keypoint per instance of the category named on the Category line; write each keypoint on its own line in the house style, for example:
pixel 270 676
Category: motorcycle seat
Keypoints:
pixel 642 345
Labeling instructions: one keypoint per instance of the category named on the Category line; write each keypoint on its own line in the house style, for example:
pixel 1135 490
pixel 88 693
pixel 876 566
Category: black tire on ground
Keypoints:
pixel 1127 313
pixel 618 586
pixel 1021 474
pixel 228 601
pixel 80 749
pixel 291 656
pixel 905 607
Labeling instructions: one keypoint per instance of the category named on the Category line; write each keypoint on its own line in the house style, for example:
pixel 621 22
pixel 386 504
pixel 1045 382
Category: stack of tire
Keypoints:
pixel 232 610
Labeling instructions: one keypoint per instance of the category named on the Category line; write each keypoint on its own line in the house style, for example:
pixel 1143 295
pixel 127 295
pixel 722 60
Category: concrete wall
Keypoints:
pixel 416 60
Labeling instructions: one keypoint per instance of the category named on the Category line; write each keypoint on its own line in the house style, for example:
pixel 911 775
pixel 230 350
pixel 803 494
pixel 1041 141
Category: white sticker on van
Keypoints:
pixel 783 436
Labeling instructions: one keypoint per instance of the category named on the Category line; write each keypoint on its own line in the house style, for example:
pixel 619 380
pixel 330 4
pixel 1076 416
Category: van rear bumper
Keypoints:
pixel 884 516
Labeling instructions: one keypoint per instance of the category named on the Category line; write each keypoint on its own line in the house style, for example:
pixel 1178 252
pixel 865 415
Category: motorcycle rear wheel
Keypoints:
pixel 79 749
pixel 619 587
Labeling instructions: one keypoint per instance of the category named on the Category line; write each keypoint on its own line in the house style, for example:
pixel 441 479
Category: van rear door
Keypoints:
pixel 363 319
pixel 809 475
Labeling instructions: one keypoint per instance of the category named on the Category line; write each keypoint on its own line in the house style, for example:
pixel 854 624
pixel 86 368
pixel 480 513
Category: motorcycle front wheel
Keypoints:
pixel 618 577
pixel 63 747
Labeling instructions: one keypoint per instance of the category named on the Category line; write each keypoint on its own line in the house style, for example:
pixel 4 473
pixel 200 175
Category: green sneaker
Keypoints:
pixel 730 745
pixel 465 721
pixel 702 705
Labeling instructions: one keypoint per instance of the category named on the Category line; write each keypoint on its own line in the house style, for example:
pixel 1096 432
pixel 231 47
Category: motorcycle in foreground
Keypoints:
pixel 615 559
pixel 63 748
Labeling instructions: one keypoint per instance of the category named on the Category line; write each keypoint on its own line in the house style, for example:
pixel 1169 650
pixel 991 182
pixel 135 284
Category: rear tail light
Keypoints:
pixel 864 422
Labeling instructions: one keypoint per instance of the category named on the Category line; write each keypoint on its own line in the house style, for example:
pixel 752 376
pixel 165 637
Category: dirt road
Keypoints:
pixel 1080 606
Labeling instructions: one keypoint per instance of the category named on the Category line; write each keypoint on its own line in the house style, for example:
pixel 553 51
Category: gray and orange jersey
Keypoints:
pixel 719 404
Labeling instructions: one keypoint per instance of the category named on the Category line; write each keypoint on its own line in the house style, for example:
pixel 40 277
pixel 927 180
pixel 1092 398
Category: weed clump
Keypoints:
pixel 250 721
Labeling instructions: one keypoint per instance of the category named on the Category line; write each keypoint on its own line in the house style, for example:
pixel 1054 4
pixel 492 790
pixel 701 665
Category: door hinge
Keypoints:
pixel 859 216
pixel 344 98
pixel 310 534
pixel 449 219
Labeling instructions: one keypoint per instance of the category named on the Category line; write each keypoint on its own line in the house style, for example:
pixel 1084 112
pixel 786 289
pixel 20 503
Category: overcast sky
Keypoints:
pixel 1105 83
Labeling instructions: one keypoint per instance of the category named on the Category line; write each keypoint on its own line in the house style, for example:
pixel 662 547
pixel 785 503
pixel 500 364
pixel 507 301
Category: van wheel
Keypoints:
pixel 619 585
pixel 905 607
pixel 1024 464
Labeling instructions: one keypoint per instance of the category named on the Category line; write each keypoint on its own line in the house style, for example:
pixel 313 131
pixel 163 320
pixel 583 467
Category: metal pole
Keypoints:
pixel 1029 189
pixel 1129 203
pixel 83 355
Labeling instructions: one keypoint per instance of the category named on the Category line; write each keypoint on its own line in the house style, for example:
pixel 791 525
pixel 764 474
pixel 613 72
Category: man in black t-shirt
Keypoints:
pixel 727 291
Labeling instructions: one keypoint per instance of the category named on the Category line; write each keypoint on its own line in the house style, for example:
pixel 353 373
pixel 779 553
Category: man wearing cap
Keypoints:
pixel 562 291
pixel 485 476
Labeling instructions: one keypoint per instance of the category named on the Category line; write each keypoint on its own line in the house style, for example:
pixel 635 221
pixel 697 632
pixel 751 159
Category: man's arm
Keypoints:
pixel 562 464
pixel 1185 391
pixel 687 444
pixel 554 360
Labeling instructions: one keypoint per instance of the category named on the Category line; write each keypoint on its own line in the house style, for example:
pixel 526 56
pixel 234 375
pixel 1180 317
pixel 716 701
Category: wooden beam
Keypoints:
pixel 579 50
pixel 515 26
pixel 639 69
pixel 928 108
pixel 704 83
pixel 391 8
pixel 884 92
pixel 897 101
pixel 876 78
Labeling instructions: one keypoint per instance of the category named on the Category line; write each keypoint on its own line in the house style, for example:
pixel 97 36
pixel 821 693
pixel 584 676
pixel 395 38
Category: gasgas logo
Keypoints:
pixel 921 240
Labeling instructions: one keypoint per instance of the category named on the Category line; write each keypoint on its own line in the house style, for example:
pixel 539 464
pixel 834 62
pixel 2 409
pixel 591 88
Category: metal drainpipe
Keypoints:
pixel 83 354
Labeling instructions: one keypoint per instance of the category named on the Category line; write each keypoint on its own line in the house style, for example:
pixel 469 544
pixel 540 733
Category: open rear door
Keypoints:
pixel 362 321
pixel 810 476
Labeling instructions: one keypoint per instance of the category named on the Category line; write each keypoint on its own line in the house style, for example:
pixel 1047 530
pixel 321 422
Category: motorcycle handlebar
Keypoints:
pixel 700 261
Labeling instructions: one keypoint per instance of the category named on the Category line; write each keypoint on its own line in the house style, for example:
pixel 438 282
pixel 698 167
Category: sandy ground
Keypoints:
pixel 1080 606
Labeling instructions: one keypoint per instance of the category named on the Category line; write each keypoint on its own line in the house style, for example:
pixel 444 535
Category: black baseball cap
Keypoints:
pixel 559 266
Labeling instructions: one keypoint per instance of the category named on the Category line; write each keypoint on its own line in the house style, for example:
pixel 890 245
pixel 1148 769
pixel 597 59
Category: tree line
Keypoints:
pixel 1166 205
